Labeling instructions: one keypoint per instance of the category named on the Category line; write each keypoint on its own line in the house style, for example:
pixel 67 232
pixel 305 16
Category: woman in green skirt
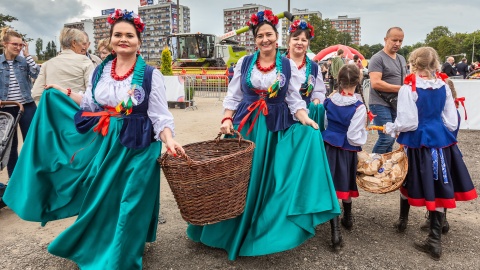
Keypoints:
pixel 99 162
pixel 291 189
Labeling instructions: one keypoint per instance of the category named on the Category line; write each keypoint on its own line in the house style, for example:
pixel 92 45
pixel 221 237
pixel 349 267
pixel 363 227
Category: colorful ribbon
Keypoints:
pixel 262 108
pixel 435 164
pixel 104 122
pixel 461 100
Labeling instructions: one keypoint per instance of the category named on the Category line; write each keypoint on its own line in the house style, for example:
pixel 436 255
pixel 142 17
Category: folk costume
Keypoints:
pixel 437 176
pixel 344 135
pixel 313 86
pixel 100 164
pixel 287 196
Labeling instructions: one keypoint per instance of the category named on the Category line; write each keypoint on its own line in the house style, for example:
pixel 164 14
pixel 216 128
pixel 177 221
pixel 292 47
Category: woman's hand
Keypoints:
pixel 174 148
pixel 302 116
pixel 56 86
pixel 226 127
pixel 25 49
pixel 310 122
pixel 316 101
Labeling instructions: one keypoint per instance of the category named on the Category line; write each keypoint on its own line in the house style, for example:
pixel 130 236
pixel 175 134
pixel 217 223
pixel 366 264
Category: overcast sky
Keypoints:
pixel 45 18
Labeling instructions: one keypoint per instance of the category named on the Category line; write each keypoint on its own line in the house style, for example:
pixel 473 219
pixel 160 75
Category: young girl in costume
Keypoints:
pixel 290 189
pixel 101 164
pixel 344 135
pixel 313 88
pixel 426 118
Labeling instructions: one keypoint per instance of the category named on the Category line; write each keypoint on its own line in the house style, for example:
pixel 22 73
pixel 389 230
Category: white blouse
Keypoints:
pixel 319 90
pixel 111 92
pixel 407 112
pixel 356 133
pixel 262 81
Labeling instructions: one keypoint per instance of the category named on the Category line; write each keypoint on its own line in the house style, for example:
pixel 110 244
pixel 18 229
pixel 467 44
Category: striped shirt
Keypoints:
pixel 14 93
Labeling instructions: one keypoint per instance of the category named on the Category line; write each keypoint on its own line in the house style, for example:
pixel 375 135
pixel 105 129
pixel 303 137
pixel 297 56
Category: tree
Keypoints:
pixel 54 49
pixel 4 19
pixel 434 36
pixel 48 51
pixel 166 66
pixel 344 38
pixel 39 47
pixel 325 34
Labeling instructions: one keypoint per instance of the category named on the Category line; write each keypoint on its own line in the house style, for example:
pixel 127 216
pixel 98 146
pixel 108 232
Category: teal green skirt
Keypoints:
pixel 290 192
pixel 113 190
pixel 317 113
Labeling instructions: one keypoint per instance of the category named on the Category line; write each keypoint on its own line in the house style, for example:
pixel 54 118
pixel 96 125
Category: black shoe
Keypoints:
pixel 433 244
pixel 402 222
pixel 426 225
pixel 347 219
pixel 337 241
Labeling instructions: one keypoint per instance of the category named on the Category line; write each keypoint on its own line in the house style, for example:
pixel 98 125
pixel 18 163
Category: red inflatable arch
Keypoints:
pixel 332 52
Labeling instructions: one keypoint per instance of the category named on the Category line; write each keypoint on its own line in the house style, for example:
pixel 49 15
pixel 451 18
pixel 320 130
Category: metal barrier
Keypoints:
pixel 205 86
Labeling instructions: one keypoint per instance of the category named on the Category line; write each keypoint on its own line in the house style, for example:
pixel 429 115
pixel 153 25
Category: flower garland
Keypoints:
pixel 301 24
pixel 128 16
pixel 261 16
pixel 275 87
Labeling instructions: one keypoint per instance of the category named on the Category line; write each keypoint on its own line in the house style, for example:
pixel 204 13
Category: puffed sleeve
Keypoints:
pixel 234 94
pixel 320 90
pixel 157 106
pixel 407 112
pixel 356 133
pixel 87 103
pixel 449 113
pixel 293 98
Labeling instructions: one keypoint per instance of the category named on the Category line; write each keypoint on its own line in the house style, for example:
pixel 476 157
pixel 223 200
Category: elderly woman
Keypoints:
pixel 104 48
pixel 71 68
pixel 16 74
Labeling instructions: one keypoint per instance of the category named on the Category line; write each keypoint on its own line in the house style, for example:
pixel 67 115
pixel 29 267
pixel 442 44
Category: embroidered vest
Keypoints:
pixel 137 128
pixel 279 116
pixel 339 118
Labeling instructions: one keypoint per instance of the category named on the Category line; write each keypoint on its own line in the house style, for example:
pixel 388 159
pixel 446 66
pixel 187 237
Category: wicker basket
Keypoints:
pixel 382 173
pixel 210 182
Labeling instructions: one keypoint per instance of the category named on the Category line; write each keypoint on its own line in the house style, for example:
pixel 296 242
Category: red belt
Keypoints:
pixel 104 122
pixel 262 108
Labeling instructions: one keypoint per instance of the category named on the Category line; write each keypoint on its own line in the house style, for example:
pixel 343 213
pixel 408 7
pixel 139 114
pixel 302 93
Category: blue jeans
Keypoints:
pixel 25 120
pixel 383 115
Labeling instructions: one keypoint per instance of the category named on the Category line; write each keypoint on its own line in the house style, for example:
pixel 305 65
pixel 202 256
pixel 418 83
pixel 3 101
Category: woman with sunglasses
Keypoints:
pixel 16 74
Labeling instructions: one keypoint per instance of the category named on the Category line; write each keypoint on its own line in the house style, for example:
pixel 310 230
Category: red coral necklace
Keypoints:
pixel 303 62
pixel 114 74
pixel 265 69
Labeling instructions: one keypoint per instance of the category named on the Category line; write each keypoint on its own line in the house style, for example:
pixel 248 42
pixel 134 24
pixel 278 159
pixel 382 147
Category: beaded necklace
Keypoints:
pixel 273 89
pixel 116 77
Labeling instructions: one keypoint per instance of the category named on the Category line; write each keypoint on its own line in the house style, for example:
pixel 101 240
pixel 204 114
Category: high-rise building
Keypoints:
pixel 87 26
pixel 236 18
pixel 349 25
pixel 160 21
pixel 101 29
pixel 301 14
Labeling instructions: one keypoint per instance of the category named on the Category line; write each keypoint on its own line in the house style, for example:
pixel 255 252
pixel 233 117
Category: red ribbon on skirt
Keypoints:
pixel 104 122
pixel 262 108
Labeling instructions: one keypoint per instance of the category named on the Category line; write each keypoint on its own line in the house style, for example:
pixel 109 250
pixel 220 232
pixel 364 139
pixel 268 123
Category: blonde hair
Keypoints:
pixel 8 32
pixel 104 43
pixel 69 35
pixel 424 59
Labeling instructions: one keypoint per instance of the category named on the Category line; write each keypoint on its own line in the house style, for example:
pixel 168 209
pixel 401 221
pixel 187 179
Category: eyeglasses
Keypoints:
pixel 17 44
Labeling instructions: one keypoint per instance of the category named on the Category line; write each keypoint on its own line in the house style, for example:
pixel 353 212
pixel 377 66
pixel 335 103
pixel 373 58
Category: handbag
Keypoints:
pixel 392 98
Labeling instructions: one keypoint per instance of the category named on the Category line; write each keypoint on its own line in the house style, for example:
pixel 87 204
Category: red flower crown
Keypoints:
pixel 266 15
pixel 301 24
pixel 126 15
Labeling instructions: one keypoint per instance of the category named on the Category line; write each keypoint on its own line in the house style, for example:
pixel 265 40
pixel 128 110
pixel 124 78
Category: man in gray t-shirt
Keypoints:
pixel 386 69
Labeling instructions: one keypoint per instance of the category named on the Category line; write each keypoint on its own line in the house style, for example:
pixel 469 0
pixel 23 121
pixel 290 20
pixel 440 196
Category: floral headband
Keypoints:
pixel 301 24
pixel 261 16
pixel 128 16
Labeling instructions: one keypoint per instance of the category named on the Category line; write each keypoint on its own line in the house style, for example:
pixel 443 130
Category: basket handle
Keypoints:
pixel 240 137
pixel 164 157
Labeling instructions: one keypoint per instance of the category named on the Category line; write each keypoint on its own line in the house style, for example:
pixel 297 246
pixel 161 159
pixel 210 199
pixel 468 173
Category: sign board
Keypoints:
pixel 143 3
pixel 149 2
pixel 108 11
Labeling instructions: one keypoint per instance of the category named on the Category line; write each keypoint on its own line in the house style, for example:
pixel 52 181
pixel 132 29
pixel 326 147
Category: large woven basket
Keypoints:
pixel 382 173
pixel 210 182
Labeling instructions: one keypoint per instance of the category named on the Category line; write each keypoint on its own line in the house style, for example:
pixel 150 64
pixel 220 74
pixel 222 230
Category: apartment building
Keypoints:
pixel 301 14
pixel 349 25
pixel 87 26
pixel 161 20
pixel 235 18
